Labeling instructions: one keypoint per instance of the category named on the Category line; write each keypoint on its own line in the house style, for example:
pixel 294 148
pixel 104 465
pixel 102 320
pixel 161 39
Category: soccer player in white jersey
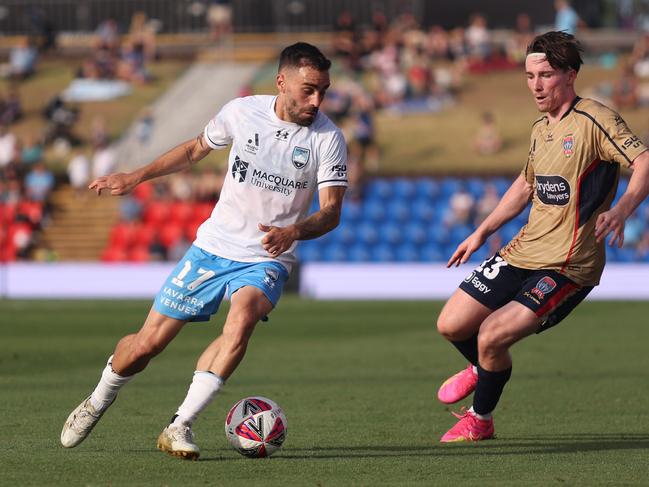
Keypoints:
pixel 283 150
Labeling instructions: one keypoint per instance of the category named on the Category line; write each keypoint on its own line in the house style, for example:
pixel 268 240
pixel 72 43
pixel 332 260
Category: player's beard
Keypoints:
pixel 301 116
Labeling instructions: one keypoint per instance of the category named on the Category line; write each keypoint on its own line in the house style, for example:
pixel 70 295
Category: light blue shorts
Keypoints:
pixel 195 288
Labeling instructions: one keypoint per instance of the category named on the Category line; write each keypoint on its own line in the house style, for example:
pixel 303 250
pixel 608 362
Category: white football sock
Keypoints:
pixel 108 387
pixel 483 417
pixel 201 392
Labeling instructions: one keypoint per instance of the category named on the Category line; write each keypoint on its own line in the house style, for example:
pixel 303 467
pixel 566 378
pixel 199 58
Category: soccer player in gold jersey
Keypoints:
pixel 556 259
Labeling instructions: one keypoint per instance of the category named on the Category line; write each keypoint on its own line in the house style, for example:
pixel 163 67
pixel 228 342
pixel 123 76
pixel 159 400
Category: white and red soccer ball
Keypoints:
pixel 256 427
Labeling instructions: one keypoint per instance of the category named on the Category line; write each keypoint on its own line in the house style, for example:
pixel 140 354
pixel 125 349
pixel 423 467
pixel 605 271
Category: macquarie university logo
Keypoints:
pixel 553 190
pixel 239 170
pixel 300 157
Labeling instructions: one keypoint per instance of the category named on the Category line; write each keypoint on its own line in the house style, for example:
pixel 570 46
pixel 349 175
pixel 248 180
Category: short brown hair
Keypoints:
pixel 302 54
pixel 561 49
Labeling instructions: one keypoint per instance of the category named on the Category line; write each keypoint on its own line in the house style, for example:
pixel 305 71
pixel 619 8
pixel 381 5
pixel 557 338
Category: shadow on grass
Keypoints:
pixel 536 445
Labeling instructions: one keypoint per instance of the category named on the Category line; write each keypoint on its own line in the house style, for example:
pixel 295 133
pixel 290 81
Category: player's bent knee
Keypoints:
pixel 491 342
pixel 147 349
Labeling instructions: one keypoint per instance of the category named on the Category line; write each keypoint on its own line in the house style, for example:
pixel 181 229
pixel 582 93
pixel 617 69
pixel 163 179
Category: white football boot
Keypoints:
pixel 80 423
pixel 178 440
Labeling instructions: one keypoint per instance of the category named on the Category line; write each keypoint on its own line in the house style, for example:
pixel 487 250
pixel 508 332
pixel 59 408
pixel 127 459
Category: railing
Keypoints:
pixel 32 16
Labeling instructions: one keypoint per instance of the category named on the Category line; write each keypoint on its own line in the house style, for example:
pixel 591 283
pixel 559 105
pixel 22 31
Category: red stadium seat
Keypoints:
pixel 113 254
pixel 138 253
pixel 202 211
pixel 156 212
pixel 32 210
pixel 170 234
pixel 7 213
pixel 143 192
pixel 181 211
pixel 191 228
pixel 144 234
pixel 122 235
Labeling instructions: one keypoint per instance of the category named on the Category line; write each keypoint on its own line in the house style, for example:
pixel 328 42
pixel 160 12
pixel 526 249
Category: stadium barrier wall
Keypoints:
pixel 421 281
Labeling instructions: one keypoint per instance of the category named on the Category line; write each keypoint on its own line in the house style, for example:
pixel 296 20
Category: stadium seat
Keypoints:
pixel 374 210
pixel 359 253
pixel 383 253
pixel 122 235
pixel 345 233
pixel 181 211
pixel 428 189
pixel 368 233
pixel 415 233
pixel 113 254
pixel 143 192
pixel 352 211
pixel 143 234
pixel 407 252
pixel 169 234
pixel 380 189
pixel 203 210
pixel 156 211
pixel 7 213
pixel 390 233
pixel 403 189
pixel 31 210
pixel 423 210
pixel 138 253
pixel 334 252
pixel 190 229
pixel 398 210
pixel 432 253
pixel 309 251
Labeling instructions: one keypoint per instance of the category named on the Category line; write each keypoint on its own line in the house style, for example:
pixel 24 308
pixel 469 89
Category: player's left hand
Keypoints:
pixel 610 221
pixel 277 239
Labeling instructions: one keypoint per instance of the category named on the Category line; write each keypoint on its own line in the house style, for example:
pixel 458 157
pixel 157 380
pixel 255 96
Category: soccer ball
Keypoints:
pixel 256 427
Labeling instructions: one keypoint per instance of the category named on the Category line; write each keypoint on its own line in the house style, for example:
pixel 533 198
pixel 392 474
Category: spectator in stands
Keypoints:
pixel 520 38
pixel 488 140
pixel 566 19
pixel 39 182
pixel 11 107
pixel 478 38
pixel 32 150
pixel 642 249
pixel 8 146
pixel 79 173
pixel 143 32
pixel 61 119
pixel 625 89
pixel 208 184
pixel 346 40
pixel 437 44
pixel 633 229
pixel 107 33
pixel 219 18
pixel 99 136
pixel 103 161
pixel 131 64
pixel 486 204
pixel 22 60
pixel 460 211
pixel 363 149
pixel 144 126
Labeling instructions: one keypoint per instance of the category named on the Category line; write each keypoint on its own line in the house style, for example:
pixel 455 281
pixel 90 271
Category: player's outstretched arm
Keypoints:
pixel 279 239
pixel 180 157
pixel 511 204
pixel 612 221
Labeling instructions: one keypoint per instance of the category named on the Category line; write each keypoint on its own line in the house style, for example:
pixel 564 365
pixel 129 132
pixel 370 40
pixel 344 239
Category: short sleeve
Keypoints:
pixel 218 132
pixel 332 168
pixel 528 170
pixel 615 140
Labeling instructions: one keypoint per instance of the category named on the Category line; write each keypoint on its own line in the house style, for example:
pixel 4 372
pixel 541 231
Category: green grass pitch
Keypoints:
pixel 357 382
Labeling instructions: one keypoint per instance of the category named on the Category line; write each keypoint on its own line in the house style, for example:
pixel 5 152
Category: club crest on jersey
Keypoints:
pixel 253 144
pixel 239 170
pixel 271 277
pixel 543 287
pixel 300 157
pixel 568 145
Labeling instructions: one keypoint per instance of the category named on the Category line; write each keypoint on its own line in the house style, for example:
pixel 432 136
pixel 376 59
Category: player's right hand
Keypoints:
pixel 465 250
pixel 118 184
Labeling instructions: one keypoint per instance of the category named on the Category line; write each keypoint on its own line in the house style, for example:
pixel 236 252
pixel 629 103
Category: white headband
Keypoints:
pixel 536 54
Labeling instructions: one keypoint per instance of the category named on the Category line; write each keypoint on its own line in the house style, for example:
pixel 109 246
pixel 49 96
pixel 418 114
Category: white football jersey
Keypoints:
pixel 274 169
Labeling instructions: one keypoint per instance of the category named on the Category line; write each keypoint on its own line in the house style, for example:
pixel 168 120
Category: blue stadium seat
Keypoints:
pixel 404 188
pixel 450 186
pixel 438 234
pixel 398 210
pixel 367 233
pixel 415 233
pixel 309 251
pixel 407 253
pixel 427 188
pixel 334 252
pixel 359 253
pixel 423 210
pixel 460 232
pixel 345 233
pixel 475 186
pixel 352 211
pixel 383 253
pixel 380 189
pixel 374 210
pixel 502 184
pixel 391 233
pixel 432 253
